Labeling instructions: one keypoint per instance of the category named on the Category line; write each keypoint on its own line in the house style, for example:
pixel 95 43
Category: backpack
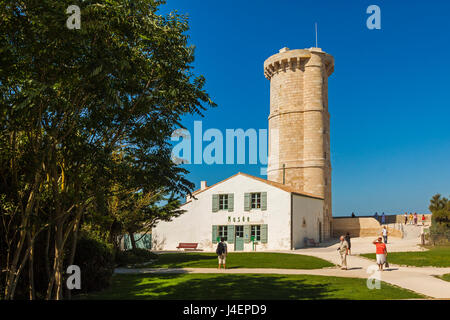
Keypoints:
pixel 220 249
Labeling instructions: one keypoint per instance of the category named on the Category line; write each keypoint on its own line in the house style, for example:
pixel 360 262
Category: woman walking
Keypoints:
pixel 381 252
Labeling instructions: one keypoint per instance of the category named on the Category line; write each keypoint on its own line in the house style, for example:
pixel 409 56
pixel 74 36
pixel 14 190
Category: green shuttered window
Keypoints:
pixel 223 202
pixel 214 234
pixel 247 202
pixel 264 201
pixel 264 233
pixel 230 234
pixel 247 233
pixel 255 200
pixel 230 202
pixel 215 202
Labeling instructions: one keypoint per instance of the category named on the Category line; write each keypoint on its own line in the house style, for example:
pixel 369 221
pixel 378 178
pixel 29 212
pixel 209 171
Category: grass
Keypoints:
pixel 240 260
pixel 445 277
pixel 434 257
pixel 244 286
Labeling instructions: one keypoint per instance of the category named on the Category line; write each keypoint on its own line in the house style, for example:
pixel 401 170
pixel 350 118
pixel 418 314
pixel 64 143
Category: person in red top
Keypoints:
pixel 381 252
pixel 423 219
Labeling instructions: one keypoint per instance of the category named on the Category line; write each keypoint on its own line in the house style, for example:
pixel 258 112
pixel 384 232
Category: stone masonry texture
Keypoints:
pixel 299 123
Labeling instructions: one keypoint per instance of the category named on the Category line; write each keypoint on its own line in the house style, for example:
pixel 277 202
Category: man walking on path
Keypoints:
pixel 385 234
pixel 381 253
pixel 383 218
pixel 222 252
pixel 415 218
pixel 406 218
pixel 343 250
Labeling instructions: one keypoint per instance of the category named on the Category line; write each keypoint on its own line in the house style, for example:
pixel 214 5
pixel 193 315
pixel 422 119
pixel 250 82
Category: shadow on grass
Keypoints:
pixel 179 260
pixel 214 287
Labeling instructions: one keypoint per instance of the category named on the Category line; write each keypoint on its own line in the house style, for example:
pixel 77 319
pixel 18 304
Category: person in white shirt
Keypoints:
pixel 385 234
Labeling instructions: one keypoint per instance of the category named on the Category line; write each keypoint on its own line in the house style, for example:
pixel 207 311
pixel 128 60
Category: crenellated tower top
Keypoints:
pixel 295 59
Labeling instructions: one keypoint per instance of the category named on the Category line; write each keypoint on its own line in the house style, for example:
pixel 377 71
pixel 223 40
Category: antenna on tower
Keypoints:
pixel 316 35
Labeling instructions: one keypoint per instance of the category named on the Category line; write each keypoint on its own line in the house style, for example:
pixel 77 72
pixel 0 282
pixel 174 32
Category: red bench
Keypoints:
pixel 187 246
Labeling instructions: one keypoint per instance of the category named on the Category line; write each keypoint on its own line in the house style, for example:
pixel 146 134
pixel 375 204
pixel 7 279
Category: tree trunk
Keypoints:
pixel 31 269
pixel 133 241
pixel 13 272
pixel 74 243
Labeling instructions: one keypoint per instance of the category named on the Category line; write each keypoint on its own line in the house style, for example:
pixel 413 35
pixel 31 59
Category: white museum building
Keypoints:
pixel 249 212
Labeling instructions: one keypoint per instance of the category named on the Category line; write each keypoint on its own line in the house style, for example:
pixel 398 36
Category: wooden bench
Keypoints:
pixel 187 246
pixel 311 242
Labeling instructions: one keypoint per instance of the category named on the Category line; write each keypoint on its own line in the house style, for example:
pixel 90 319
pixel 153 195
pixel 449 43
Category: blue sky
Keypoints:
pixel 388 97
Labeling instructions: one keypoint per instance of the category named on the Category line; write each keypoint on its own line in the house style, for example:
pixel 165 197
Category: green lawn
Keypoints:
pixel 445 277
pixel 435 256
pixel 244 286
pixel 239 260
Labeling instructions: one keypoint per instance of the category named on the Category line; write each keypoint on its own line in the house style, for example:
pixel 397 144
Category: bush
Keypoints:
pixel 96 261
pixel 439 233
pixel 134 256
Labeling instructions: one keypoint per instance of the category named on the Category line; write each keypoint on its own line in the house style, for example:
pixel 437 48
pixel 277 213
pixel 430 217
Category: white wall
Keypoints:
pixel 196 224
pixel 312 210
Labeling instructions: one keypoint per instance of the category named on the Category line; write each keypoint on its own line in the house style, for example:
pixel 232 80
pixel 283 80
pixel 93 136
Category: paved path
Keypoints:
pixel 421 280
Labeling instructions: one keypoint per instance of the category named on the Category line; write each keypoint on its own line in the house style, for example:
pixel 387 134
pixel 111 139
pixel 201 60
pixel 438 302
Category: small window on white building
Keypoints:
pixel 223 232
pixel 256 232
pixel 223 201
pixel 256 200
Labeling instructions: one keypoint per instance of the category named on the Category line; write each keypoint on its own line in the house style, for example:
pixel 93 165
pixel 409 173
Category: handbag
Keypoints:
pixel 386 264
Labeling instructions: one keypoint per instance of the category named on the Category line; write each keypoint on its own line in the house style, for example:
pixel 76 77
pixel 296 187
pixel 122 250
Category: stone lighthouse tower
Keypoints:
pixel 299 124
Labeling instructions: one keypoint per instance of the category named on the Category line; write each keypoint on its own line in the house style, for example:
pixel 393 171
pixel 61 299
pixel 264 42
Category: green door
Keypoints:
pixel 239 242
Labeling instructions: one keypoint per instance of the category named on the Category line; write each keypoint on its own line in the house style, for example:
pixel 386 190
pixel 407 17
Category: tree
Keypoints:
pixel 70 100
pixel 440 209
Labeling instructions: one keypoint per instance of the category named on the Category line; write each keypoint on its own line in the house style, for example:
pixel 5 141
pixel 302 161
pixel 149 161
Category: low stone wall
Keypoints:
pixel 361 227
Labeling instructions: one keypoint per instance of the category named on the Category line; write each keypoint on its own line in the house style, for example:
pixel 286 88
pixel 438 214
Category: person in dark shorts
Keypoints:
pixel 222 252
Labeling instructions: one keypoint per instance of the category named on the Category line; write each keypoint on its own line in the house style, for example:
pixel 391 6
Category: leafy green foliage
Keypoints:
pixel 440 227
pixel 96 261
pixel 83 111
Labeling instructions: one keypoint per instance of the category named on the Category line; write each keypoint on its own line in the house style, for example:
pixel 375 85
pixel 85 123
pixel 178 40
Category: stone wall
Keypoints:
pixel 361 227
